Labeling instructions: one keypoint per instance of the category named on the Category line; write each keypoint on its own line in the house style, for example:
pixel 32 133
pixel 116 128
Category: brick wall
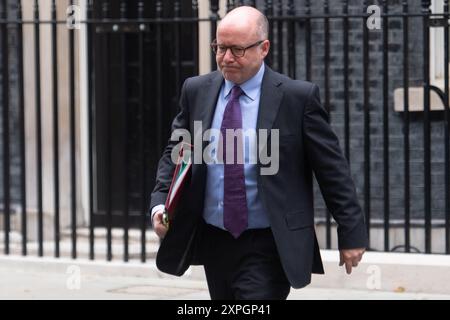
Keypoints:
pixel 356 96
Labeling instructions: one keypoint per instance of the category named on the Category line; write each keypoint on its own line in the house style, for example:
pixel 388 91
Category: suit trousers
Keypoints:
pixel 246 268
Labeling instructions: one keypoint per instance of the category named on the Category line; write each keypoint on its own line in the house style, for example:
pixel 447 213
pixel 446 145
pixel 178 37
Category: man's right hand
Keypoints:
pixel 158 226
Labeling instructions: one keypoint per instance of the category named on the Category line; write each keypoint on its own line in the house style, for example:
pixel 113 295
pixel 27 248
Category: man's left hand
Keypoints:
pixel 351 258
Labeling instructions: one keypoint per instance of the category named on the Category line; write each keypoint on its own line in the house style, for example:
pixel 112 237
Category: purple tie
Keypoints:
pixel 235 199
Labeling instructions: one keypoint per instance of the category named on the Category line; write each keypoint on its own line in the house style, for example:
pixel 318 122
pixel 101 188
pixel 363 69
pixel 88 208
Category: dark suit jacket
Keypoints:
pixel 307 145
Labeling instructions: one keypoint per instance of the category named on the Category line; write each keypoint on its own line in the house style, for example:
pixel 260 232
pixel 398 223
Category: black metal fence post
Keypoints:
pixel 327 100
pixel 142 131
pixel 280 37
pixel 55 128
pixel 268 11
pixel 5 124
pixel 195 35
pixel 214 17
pixel 73 188
pixel 109 255
pixel 346 82
pixel 385 27
pixel 91 80
pixel 159 72
pixel 21 120
pixel 37 78
pixel 366 107
pixel 426 123
pixel 308 44
pixel 292 65
pixel 406 130
pixel 230 5
pixel 447 130
pixel 177 45
pixel 125 106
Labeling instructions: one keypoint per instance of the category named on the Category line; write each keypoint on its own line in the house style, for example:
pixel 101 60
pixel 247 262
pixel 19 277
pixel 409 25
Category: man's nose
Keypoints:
pixel 228 56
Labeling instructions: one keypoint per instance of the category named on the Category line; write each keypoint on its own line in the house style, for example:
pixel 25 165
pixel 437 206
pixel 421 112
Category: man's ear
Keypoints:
pixel 265 47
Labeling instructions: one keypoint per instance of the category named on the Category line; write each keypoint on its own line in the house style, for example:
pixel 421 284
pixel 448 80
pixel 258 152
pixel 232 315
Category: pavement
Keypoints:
pixel 380 276
pixel 65 279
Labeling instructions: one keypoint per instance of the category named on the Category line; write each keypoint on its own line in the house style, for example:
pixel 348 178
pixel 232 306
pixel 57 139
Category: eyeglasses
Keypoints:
pixel 237 51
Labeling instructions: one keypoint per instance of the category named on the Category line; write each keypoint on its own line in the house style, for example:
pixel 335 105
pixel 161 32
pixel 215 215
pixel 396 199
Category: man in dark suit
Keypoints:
pixel 254 233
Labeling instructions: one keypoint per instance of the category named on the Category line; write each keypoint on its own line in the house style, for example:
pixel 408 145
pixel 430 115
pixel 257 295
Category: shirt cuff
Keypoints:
pixel 159 207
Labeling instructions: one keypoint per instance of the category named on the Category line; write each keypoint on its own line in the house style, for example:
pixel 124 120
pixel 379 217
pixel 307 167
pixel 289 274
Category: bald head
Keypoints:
pixel 242 40
pixel 248 18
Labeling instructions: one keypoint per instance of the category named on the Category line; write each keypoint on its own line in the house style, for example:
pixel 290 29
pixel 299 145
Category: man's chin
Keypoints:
pixel 231 76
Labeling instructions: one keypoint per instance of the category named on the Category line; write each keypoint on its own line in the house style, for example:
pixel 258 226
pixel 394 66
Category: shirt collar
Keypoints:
pixel 251 87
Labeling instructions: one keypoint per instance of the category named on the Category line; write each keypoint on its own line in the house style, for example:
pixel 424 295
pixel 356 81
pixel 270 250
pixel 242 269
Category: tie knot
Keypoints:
pixel 236 92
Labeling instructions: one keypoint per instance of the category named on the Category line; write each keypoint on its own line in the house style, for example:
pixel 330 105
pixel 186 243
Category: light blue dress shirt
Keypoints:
pixel 213 205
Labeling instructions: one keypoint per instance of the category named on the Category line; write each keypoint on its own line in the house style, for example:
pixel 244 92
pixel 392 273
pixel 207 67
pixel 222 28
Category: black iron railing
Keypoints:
pixel 138 55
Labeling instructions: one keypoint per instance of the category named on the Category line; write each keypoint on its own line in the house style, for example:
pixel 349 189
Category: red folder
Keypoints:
pixel 182 168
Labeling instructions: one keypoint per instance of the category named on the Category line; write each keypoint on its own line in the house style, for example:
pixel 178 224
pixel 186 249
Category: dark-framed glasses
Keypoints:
pixel 237 51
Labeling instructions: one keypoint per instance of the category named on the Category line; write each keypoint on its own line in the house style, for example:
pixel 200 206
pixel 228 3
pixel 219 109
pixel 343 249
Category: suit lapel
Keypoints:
pixel 206 105
pixel 208 99
pixel 269 104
